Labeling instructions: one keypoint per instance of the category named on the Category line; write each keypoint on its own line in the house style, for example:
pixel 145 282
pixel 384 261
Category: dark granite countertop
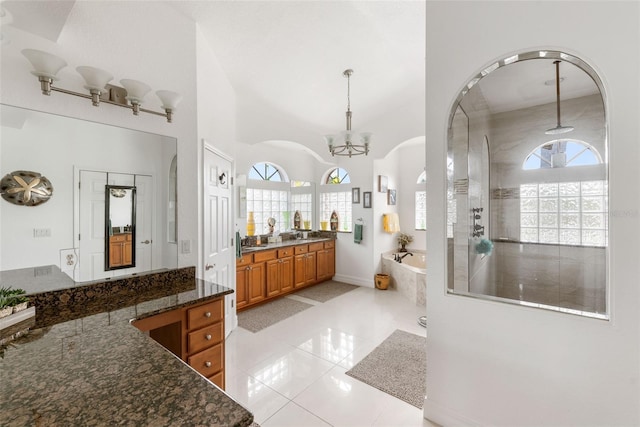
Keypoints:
pixel 285 243
pixel 83 363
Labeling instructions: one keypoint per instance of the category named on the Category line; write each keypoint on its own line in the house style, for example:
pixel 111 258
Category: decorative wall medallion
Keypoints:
pixel 25 188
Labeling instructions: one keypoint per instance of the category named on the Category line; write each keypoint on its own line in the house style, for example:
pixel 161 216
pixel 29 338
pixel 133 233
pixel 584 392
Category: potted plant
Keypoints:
pixel 404 240
pixel 5 308
pixel 12 301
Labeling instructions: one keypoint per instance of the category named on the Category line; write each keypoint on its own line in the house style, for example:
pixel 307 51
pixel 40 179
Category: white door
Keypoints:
pixel 144 223
pixel 92 228
pixel 91 223
pixel 219 245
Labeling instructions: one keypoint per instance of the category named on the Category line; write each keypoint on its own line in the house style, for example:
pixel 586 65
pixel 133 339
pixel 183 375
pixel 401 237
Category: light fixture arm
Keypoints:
pixel 557 63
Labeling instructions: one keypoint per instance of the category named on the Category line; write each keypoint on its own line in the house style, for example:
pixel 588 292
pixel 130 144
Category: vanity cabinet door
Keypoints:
pixel 285 274
pixel 256 283
pixel 273 279
pixel 242 285
pixel 326 264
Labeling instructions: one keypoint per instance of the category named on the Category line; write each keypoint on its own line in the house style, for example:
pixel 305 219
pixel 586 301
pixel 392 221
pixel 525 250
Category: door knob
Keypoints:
pixel 208 267
pixel 146 242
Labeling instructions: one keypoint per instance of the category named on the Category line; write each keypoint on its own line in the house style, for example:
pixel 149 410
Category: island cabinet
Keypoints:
pixel 195 334
pixel 326 261
pixel 250 279
pixel 280 273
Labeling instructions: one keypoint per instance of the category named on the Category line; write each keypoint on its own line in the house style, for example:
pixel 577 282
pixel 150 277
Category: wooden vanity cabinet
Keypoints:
pixel 120 250
pixel 280 273
pixel 326 262
pixel 267 274
pixel 195 334
pixel 250 279
pixel 304 266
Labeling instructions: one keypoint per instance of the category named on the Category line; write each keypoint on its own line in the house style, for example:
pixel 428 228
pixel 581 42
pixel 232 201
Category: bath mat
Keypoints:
pixel 398 367
pixel 325 291
pixel 262 316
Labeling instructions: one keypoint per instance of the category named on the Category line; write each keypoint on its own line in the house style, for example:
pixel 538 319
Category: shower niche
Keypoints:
pixel 527 194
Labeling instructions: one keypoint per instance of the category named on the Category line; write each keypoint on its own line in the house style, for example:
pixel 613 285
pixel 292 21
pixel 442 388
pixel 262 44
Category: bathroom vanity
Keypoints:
pixel 265 273
pixel 83 362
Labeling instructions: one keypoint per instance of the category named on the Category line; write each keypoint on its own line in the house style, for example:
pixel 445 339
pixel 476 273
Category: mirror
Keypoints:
pixel 120 223
pixel 527 200
pixel 80 158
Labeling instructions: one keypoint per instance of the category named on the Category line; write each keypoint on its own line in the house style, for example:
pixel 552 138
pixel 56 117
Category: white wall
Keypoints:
pixel 108 35
pixel 498 364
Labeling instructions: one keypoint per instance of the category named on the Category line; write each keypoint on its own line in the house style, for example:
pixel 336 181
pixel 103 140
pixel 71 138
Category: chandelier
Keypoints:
pixel 346 147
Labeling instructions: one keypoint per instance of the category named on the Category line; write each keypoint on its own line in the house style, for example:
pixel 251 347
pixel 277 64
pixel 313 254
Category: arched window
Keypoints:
pixel 335 196
pixel 421 202
pixel 338 176
pixel 266 172
pixel 562 153
pixel 268 196
pixel 572 211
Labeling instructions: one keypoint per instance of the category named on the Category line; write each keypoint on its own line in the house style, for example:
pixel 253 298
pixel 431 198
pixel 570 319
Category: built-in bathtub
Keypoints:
pixel 408 277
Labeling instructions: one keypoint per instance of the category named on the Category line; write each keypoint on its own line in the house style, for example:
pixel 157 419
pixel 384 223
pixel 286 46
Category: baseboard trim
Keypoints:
pixel 444 416
pixel 352 280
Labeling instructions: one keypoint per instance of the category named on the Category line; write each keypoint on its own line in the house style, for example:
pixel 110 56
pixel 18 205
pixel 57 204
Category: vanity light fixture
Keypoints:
pixel 46 67
pixel 559 128
pixel 347 147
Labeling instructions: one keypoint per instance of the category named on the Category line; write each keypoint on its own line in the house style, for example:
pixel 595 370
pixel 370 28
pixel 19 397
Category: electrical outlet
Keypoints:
pixel 185 246
pixel 68 259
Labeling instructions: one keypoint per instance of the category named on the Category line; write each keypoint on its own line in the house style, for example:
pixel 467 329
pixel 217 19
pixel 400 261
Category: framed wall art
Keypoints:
pixel 355 195
pixel 366 199
pixel 383 182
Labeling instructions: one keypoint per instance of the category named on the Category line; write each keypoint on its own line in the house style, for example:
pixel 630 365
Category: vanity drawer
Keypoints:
pixel 244 260
pixel 285 252
pixel 208 362
pixel 265 256
pixel 205 314
pixel 205 337
pixel 302 249
pixel 329 245
pixel 218 379
pixel 315 247
pixel 117 238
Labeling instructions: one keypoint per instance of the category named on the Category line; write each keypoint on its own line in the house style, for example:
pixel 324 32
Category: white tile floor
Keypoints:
pixel 293 373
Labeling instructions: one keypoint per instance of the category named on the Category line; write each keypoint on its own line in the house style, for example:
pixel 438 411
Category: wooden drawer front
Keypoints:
pixel 265 256
pixel 208 362
pixel 329 245
pixel 119 238
pixel 205 337
pixel 315 247
pixel 218 379
pixel 283 253
pixel 245 260
pixel 302 249
pixel 205 314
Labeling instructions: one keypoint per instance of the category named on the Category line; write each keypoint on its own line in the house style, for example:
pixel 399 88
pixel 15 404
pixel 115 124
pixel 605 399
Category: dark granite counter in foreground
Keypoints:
pixel 83 363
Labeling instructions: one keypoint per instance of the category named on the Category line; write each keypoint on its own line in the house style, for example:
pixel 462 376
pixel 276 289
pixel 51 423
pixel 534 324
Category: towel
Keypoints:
pixel 238 245
pixel 357 233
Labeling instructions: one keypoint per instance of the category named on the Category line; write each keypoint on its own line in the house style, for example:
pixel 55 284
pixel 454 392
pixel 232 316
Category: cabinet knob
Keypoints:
pixel 207 364
pixel 207 314
pixel 207 337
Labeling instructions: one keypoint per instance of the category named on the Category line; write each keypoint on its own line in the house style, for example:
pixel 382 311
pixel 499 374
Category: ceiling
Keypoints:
pixel 287 57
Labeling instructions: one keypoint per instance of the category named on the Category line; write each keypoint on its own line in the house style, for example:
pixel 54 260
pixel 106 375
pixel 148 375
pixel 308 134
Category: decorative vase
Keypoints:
pixel 402 247
pixel 251 224
pixel 382 281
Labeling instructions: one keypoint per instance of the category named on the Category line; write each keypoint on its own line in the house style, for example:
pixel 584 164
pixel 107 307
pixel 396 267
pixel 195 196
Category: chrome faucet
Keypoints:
pixel 398 258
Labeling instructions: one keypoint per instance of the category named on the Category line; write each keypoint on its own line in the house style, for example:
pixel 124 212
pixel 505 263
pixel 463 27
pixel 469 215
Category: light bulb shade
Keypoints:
pixel 95 78
pixel 329 139
pixel 136 90
pixel 558 130
pixel 365 137
pixel 44 64
pixel 169 99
